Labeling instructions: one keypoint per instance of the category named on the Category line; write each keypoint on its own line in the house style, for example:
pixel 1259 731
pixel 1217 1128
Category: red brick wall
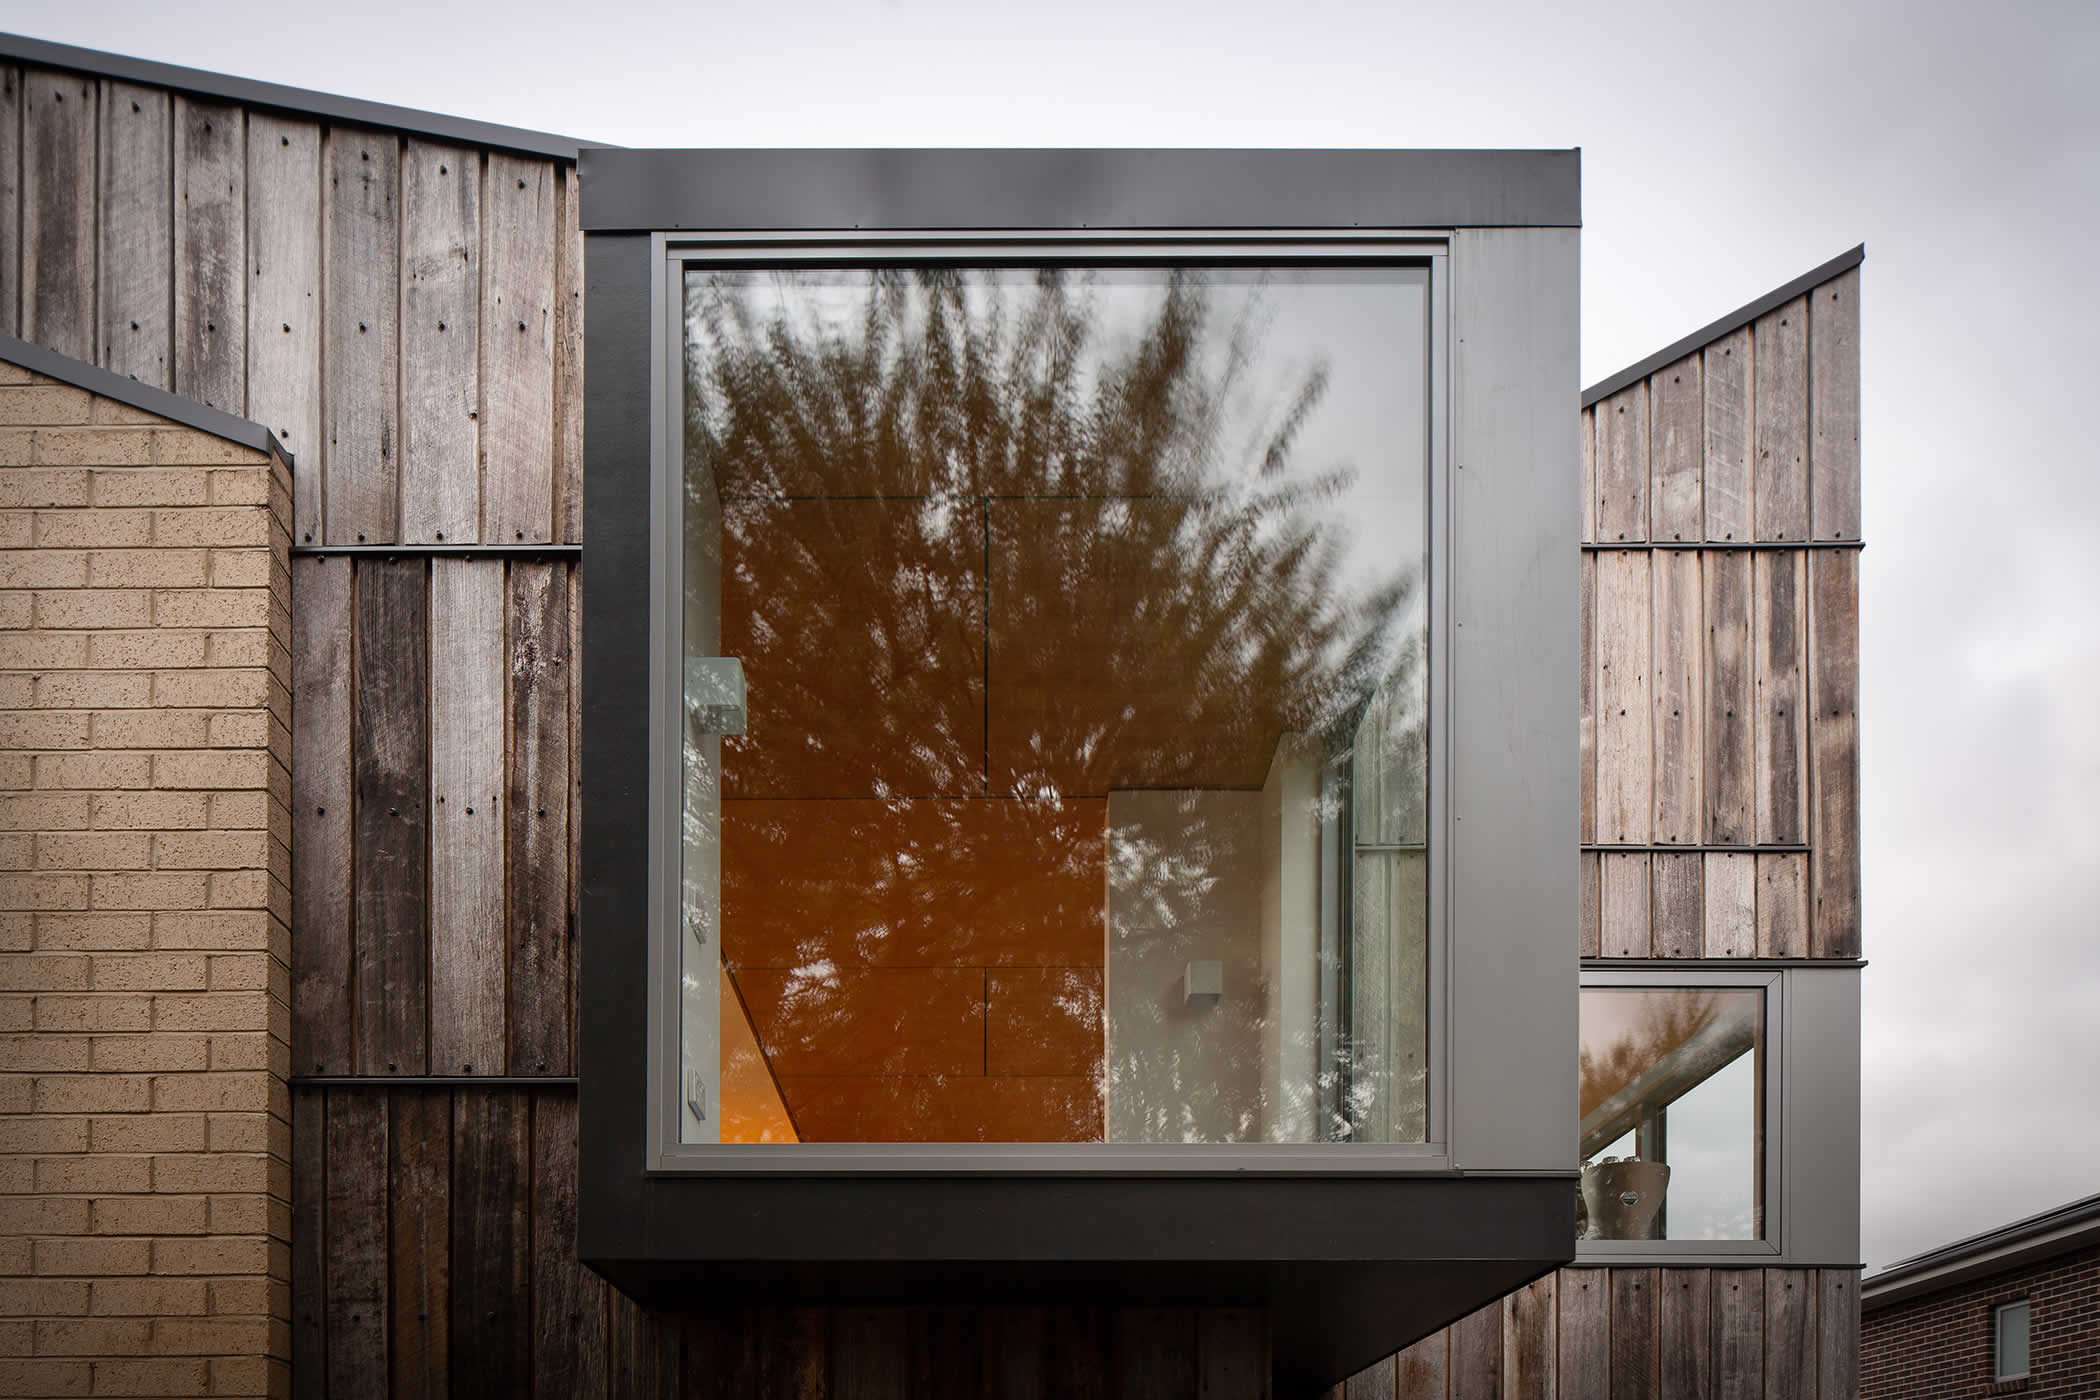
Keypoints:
pixel 1940 1345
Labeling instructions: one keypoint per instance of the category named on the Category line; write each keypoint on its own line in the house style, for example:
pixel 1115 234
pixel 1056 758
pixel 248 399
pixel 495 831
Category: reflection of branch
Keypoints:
pixel 1667 1078
pixel 1669 1019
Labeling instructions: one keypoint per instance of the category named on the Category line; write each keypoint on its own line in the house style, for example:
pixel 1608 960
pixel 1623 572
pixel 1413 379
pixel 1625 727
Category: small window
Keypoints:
pixel 2011 1348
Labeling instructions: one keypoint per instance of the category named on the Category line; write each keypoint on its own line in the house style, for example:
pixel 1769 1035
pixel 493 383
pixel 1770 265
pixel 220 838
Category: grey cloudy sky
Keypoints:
pixel 1725 150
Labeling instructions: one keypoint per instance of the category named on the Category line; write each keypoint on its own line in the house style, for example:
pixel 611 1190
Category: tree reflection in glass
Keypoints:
pixel 1080 620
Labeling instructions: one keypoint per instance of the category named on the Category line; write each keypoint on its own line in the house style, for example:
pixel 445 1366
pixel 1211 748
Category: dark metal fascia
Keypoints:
pixel 1733 321
pixel 173 407
pixel 278 97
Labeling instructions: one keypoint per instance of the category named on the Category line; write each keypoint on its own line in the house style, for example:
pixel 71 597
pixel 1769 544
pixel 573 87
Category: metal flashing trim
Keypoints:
pixel 276 96
pixel 1076 190
pixel 443 551
pixel 173 407
pixel 1733 321
pixel 2074 1225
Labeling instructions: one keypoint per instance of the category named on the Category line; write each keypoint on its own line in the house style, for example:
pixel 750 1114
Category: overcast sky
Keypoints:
pixel 1725 150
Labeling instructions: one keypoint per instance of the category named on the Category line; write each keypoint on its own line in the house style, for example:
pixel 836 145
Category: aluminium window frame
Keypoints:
pixel 1999 1375
pixel 670 256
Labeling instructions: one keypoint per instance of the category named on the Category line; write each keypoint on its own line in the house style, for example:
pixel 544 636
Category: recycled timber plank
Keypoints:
pixel 321 810
pixel 1588 759
pixel 947 1353
pixel 1837 1335
pixel 568 372
pixel 1730 900
pixel 1678 905
pixel 1585 1334
pixel 538 824
pixel 58 212
pixel 1476 1354
pixel 492 1307
pixel 568 1301
pixel 643 1355
pixel 520 303
pixel 1627 919
pixel 466 816
pixel 10 198
pixel 136 234
pixel 1779 645
pixel 210 335
pixel 870 1354
pixel 419 1190
pixel 1589 476
pixel 362 240
pixel 1155 1353
pixel 1833 407
pixel 356 1248
pixel 1622 466
pixel 1625 745
pixel 1374 1382
pixel 1680 704
pixel 1738 1351
pixel 1420 1372
pixel 1529 1336
pixel 1082 1349
pixel 391 824
pixel 1833 727
pixel 309 1356
pixel 1729 733
pixel 575 793
pixel 732 1353
pixel 1782 905
pixel 284 330
pixel 1232 1354
pixel 1675 442
pixel 1017 1361
pixel 1592 904
pixel 440 344
pixel 1790 1334
pixel 1780 393
pixel 1684 1298
pixel 1727 371
pixel 1633 1340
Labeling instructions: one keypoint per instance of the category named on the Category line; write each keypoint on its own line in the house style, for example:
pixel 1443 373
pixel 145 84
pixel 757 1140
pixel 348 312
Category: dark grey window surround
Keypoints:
pixel 1353 1264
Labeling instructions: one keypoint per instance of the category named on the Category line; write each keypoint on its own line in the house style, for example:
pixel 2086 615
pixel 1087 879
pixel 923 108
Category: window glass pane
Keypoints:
pixel 1671 1098
pixel 2012 1340
pixel 1056 752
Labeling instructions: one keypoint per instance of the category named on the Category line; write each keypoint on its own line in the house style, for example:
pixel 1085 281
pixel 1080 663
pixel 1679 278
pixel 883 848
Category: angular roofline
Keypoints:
pixel 1733 321
pixel 278 97
pixel 2074 1225
pixel 144 397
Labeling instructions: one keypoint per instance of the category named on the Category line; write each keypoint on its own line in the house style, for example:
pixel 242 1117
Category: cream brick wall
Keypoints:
pixel 145 1134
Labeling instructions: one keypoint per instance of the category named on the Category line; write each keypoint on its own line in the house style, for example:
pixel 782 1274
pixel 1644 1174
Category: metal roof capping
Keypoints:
pixel 278 97
pixel 2074 1225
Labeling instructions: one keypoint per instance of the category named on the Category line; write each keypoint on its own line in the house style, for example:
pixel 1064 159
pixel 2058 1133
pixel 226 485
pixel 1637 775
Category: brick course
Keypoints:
pixel 1941 1345
pixel 144 855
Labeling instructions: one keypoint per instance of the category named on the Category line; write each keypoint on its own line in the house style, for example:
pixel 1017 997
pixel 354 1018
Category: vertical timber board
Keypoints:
pixel 947 1354
pixel 1833 727
pixel 58 212
pixel 210 252
pixel 1837 1335
pixel 1625 747
pixel 1592 904
pixel 1530 1339
pixel 1684 1333
pixel 1588 760
pixel 1588 528
pixel 1476 1354
pixel 1675 443
pixel 1678 905
pixel 1585 1334
pixel 1634 1374
pixel 10 199
pixel 1626 921
pixel 309 1242
pixel 1622 466
pixel 1421 1372
pixel 1155 1353
pixel 575 796
pixel 1082 1353
pixel 392 823
pixel 1730 730
pixel 1782 905
pixel 1833 407
pixel 362 250
pixel 1017 1357
pixel 1738 1350
pixel 568 1301
pixel 440 344
pixel 539 791
pixel 642 1357
pixel 870 1354
pixel 1779 655
pixel 322 1021
pixel 1232 1354
pixel 1680 702
pixel 356 1250
pixel 520 305
pixel 137 234
pixel 283 267
pixel 419 1149
pixel 1790 1334
pixel 492 1308
pixel 568 370
pixel 1374 1382
pixel 1730 898
pixel 466 816
pixel 1728 372
pixel 1780 393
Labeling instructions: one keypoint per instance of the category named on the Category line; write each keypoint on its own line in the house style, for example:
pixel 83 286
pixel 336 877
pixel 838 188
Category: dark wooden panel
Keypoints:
pixel 1374 1382
pixel 492 1306
pixel 1833 654
pixel 1726 376
pixel 1155 1353
pixel 1420 1372
pixel 136 234
pixel 1781 392
pixel 644 1351
pixel 1738 1358
pixel 1232 1354
pixel 392 826
pixel 870 1354
pixel 1790 1334
pixel 568 1301
pixel 58 212
pixel 947 1353
pixel 419 1186
pixel 1082 1349
pixel 362 242
pixel 309 1243
pixel 1017 1358
pixel 440 343
pixel 1779 645
pixel 356 1248
pixel 284 330
pixel 1633 1342
pixel 754 1354
pixel 322 636
pixel 1837 1335
pixel 1675 442
pixel 1530 1341
pixel 1684 1341
pixel 1585 1334
pixel 1833 407
pixel 210 226
pixel 1729 693
pixel 541 674
pixel 1622 466
pixel 519 309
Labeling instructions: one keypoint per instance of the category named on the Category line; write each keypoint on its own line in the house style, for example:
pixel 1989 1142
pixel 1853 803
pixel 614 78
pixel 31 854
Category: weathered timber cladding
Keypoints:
pixel 466 814
pixel 135 294
pixel 440 343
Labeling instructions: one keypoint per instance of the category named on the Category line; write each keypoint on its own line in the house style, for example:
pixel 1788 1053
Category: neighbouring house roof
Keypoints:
pixel 1733 321
pixel 277 96
pixel 2052 1232
pixel 144 397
